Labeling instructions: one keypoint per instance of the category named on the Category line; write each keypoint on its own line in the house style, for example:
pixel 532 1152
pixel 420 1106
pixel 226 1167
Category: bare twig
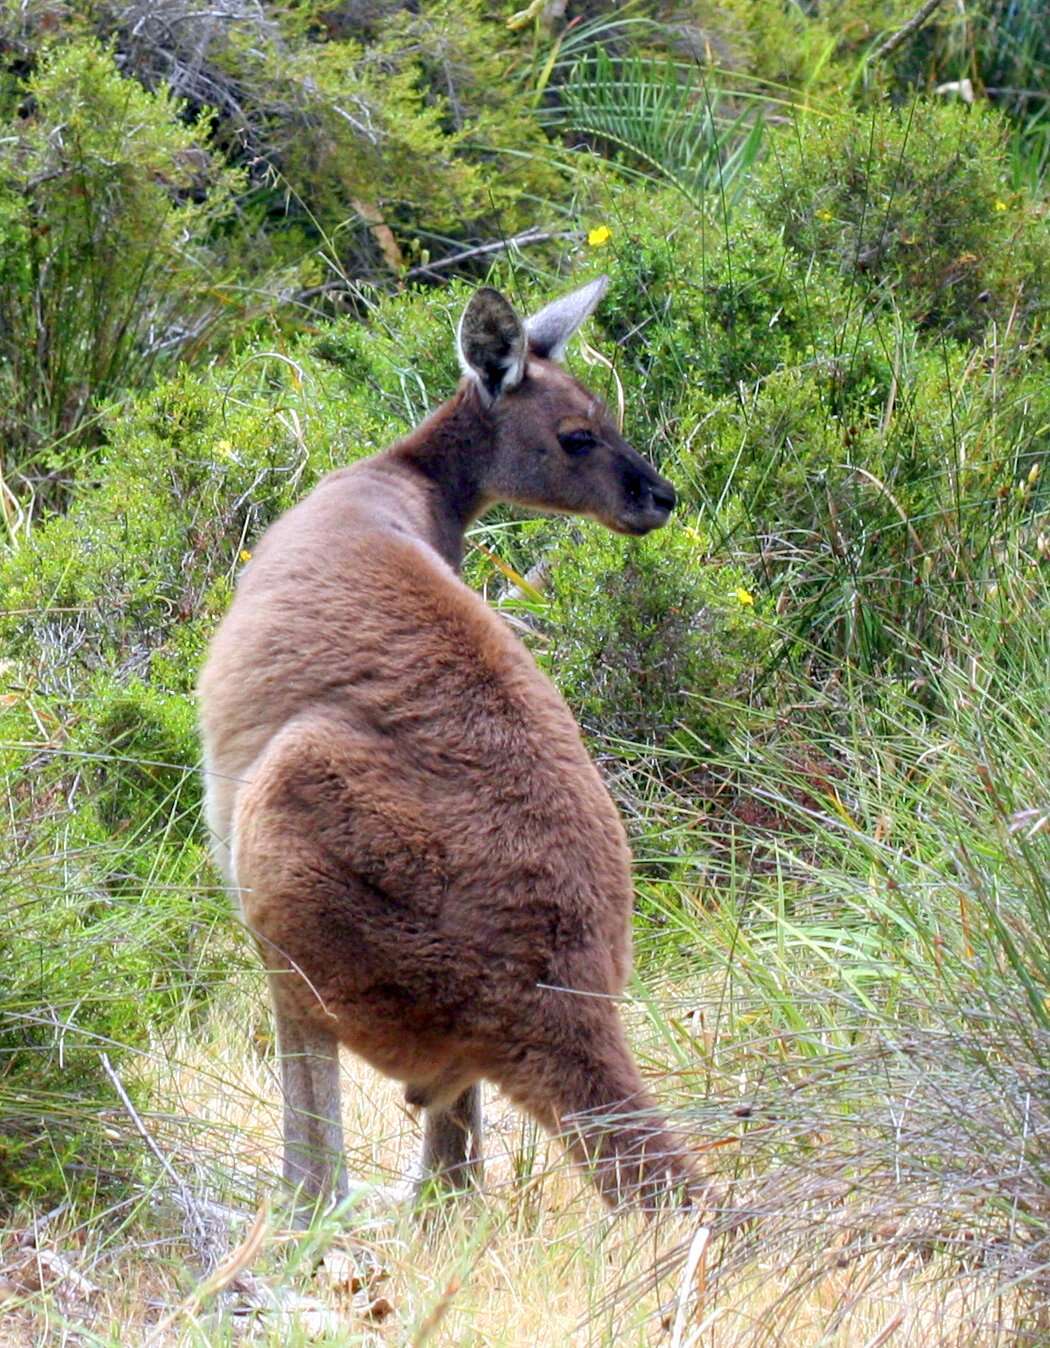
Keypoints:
pixel 210 1240
pixel 902 34
pixel 522 240
pixel 140 1127
pixel 527 236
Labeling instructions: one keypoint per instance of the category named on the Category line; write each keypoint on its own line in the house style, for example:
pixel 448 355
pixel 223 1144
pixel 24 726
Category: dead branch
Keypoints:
pixel 209 1240
pixel 903 33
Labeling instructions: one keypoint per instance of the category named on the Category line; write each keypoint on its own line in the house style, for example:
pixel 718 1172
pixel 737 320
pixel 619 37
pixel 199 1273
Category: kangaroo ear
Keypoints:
pixel 549 330
pixel 491 343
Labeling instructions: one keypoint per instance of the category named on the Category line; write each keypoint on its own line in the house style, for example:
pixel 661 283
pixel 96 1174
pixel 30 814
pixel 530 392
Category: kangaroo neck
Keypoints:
pixel 446 452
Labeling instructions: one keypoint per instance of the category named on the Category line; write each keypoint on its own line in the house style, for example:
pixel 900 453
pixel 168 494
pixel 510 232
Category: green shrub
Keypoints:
pixel 106 201
pixel 709 308
pixel 380 135
pixel 881 524
pixel 110 928
pixel 914 207
pixel 698 304
pixel 653 636
pixel 370 136
pixel 143 744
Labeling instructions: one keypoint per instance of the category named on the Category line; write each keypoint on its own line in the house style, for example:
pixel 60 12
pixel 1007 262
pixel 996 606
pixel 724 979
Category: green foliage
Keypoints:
pixel 109 931
pixel 106 200
pixel 710 304
pixel 860 456
pixel 652 637
pixel 883 517
pixel 916 211
pixel 369 136
pixel 143 742
pixel 892 920
pixel 789 47
pixel 138 558
pixel 662 120
pixel 397 365
pixel 383 129
pixel 999 51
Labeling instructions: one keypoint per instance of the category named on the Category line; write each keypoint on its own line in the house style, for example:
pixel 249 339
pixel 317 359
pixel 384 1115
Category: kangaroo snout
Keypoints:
pixel 648 500
pixel 662 500
pixel 663 495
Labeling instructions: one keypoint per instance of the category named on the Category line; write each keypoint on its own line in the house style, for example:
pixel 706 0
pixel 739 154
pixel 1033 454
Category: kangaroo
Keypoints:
pixel 434 873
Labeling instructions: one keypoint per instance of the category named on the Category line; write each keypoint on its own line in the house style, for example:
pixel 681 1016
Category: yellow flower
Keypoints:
pixel 1000 206
pixel 744 596
pixel 599 235
pixel 246 556
pixel 824 215
pixel 224 448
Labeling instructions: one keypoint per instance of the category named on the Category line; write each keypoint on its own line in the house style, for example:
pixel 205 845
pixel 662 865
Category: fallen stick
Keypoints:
pixel 902 34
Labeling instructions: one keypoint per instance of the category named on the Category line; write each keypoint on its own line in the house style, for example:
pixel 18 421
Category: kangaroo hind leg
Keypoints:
pixel 314 1160
pixel 452 1142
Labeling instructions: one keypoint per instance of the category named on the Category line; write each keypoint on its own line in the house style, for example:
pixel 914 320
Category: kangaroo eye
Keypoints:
pixel 576 442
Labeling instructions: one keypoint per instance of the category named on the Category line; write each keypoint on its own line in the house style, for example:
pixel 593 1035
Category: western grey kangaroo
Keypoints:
pixel 430 864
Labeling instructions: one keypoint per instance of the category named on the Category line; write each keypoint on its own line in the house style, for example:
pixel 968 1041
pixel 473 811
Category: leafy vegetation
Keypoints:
pixel 654 638
pixel 106 205
pixel 233 248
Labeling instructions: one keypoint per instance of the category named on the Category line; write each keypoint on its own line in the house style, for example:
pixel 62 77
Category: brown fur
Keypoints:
pixel 428 858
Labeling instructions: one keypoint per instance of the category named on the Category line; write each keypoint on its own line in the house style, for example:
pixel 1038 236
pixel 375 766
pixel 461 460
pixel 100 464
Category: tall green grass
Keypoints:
pixel 850 976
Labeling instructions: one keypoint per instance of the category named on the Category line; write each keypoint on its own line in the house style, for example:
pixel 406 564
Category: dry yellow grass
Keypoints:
pixel 533 1262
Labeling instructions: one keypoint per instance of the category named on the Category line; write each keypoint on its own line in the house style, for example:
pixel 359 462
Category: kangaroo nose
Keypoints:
pixel 663 495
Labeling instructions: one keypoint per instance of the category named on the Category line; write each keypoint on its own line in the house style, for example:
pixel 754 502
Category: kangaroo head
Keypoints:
pixel 551 444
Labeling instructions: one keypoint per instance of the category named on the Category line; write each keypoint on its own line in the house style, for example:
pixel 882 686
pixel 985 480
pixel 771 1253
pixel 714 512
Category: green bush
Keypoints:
pixel 111 929
pixel 654 636
pixel 142 743
pixel 107 199
pixel 702 305
pixel 871 466
pixel 370 136
pixel 914 207
pixel 417 132
pixel 882 523
pixel 705 309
